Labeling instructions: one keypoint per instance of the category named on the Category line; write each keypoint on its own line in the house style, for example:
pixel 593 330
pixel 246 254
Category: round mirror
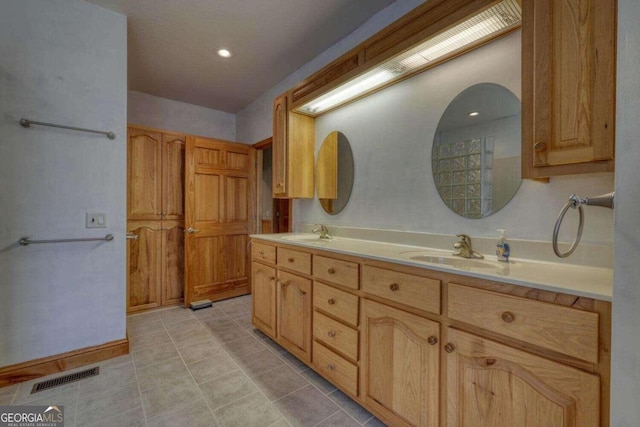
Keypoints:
pixel 476 151
pixel 334 172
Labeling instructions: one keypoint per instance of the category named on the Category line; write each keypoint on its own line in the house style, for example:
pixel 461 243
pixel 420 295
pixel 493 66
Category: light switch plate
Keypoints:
pixel 96 220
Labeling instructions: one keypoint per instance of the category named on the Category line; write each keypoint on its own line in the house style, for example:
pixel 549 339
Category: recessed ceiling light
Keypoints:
pixel 473 114
pixel 224 53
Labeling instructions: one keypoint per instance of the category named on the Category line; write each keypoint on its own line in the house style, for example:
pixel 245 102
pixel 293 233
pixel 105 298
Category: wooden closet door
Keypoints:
pixel 173 149
pixel 144 167
pixel 220 214
pixel 143 265
pixel 172 262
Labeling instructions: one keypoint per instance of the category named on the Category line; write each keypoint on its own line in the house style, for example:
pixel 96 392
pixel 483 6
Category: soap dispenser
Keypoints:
pixel 502 248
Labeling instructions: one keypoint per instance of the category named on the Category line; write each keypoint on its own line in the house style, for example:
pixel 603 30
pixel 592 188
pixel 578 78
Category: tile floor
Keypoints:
pixel 205 368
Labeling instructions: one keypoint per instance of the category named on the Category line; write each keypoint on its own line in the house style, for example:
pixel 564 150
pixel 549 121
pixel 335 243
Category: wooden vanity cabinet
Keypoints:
pixel 568 87
pixel 419 347
pixel 293 152
pixel 491 384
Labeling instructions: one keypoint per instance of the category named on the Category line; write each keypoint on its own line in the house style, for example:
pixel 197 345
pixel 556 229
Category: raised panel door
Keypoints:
pixel 172 262
pixel 294 314
pixel 144 166
pixel 493 385
pixel 143 265
pixel 173 149
pixel 400 360
pixel 264 298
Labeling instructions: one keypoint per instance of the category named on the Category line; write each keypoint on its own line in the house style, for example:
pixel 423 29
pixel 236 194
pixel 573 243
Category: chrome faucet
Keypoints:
pixel 322 230
pixel 464 249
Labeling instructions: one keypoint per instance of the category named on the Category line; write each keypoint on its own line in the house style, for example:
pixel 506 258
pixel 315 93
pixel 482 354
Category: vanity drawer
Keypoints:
pixel 561 329
pixel 294 260
pixel 337 303
pixel 336 335
pixel 263 252
pixel 343 273
pixel 335 368
pixel 415 291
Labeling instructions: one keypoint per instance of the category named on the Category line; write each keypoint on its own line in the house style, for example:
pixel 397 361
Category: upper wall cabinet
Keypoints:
pixel 568 87
pixel 293 147
pixel 155 164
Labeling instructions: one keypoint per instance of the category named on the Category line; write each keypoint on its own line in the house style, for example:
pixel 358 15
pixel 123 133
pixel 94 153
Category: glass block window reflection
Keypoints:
pixel 464 175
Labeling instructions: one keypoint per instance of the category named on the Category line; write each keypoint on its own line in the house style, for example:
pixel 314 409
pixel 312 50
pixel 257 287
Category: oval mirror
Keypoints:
pixel 476 151
pixel 334 172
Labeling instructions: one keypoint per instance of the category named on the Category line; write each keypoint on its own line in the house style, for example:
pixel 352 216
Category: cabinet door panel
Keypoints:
pixel 492 385
pixel 172 263
pixel 264 298
pixel 173 147
pixel 279 146
pixel 294 314
pixel 144 170
pixel 143 266
pixel 400 365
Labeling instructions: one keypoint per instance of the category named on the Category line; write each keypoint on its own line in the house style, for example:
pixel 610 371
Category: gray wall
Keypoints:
pixel 391 133
pixel 61 61
pixel 161 113
pixel 625 389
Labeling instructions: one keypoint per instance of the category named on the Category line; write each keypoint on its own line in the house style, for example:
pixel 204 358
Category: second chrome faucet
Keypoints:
pixel 464 249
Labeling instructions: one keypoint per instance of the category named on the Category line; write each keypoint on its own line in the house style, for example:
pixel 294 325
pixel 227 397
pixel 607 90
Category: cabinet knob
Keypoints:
pixel 540 146
pixel 432 340
pixel 331 271
pixel 449 348
pixel 290 260
pixel 272 278
pixel 261 252
pixel 508 317
pixel 331 301
pixel 331 334
pixel 394 287
pixel 331 367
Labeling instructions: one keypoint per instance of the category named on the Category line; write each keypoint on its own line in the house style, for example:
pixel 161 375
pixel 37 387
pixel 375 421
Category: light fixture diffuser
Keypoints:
pixel 498 18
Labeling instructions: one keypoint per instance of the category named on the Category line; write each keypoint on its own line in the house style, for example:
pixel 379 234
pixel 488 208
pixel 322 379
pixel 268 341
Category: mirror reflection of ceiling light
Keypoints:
pixel 500 17
pixel 225 53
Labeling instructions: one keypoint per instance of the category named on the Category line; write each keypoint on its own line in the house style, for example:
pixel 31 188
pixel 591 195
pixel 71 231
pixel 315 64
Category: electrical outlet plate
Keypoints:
pixel 96 220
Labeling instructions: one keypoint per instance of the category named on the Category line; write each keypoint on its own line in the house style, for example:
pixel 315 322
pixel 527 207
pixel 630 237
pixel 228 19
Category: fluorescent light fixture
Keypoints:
pixel 225 53
pixel 499 17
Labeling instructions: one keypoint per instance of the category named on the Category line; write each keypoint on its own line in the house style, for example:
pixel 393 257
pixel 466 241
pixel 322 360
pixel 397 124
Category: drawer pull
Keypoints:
pixel 331 334
pixel 331 367
pixel 508 317
pixel 432 340
pixel 394 287
pixel 290 259
pixel 331 271
pixel 449 348
pixel 331 301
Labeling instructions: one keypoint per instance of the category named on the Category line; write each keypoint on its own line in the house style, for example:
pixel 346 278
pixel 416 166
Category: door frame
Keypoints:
pixel 260 146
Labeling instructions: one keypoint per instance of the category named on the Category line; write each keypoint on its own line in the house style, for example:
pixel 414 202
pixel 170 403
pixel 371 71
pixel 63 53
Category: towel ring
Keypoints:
pixel 605 200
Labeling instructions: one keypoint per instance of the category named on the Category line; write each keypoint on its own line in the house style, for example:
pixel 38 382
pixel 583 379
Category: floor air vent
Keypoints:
pixel 55 382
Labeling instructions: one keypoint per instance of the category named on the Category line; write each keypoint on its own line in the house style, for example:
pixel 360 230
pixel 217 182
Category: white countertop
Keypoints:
pixel 591 282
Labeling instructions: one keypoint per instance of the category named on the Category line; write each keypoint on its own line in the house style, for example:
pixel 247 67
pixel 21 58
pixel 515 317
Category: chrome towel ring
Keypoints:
pixel 605 200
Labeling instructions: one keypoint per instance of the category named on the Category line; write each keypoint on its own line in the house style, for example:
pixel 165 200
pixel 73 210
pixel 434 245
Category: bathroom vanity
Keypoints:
pixel 421 338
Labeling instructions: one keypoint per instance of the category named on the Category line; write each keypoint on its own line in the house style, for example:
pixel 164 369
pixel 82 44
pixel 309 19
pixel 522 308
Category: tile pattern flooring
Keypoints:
pixel 205 368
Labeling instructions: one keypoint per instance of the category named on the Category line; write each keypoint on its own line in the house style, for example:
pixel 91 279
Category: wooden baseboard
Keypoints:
pixel 62 362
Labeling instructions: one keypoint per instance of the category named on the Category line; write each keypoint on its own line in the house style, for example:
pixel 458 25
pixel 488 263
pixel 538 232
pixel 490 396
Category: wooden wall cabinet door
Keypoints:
pixel 491 384
pixel 264 297
pixel 144 166
pixel 172 262
pixel 400 365
pixel 293 152
pixel 568 78
pixel 173 158
pixel 294 314
pixel 144 266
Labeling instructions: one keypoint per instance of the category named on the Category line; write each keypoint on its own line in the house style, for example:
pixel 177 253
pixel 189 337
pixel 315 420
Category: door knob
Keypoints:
pixel 192 230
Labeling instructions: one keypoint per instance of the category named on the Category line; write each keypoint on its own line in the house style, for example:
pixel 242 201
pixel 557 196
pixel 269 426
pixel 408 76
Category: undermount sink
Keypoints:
pixel 305 239
pixel 445 258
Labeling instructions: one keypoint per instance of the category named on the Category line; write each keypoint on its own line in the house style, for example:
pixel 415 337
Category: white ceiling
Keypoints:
pixel 172 44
